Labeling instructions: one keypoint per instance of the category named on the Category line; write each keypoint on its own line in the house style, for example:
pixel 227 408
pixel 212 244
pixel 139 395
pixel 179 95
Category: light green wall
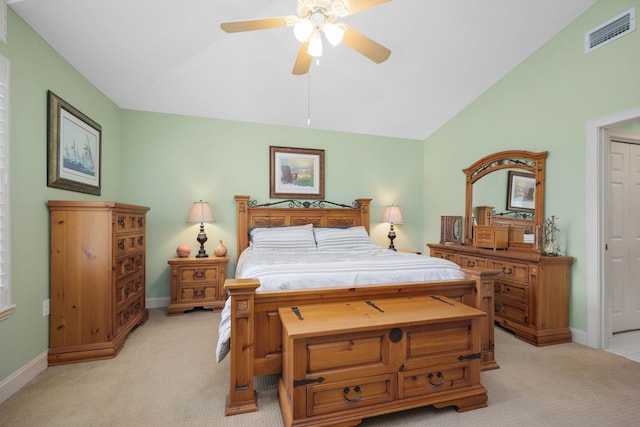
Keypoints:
pixel 544 104
pixel 171 161
pixel 36 68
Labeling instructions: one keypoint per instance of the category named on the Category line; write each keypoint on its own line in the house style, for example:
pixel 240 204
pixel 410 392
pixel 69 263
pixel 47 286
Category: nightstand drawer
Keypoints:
pixel 195 293
pixel 210 273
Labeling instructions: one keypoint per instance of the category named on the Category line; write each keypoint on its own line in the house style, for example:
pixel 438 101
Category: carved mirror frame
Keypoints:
pixel 527 161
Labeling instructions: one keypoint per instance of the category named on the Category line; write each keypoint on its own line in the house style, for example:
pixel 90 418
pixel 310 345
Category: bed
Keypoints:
pixel 254 327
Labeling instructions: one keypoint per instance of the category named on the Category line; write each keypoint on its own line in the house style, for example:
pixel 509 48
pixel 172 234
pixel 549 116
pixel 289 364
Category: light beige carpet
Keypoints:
pixel 166 375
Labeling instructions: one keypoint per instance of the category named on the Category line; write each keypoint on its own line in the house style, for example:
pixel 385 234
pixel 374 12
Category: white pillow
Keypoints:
pixel 343 238
pixel 293 237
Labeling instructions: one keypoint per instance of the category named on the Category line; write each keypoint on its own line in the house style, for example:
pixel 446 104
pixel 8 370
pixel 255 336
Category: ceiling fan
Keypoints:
pixel 317 17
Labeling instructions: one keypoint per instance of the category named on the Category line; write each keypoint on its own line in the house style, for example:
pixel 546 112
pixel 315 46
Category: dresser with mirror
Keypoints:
pixel 532 289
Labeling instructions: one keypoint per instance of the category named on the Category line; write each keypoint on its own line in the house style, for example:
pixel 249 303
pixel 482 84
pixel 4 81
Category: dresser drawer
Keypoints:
pixel 449 256
pixel 435 379
pixel 127 288
pixel 510 270
pixel 128 244
pixel 129 265
pixel 129 313
pixel 511 310
pixel 129 223
pixel 514 291
pixel 469 261
pixel 350 394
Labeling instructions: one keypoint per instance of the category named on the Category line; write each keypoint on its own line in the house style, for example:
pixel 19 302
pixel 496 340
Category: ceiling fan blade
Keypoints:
pixel 303 60
pixel 364 45
pixel 355 6
pixel 255 24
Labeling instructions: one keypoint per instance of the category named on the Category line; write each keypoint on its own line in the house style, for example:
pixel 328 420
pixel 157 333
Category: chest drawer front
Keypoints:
pixel 468 261
pixel 129 265
pixel 442 343
pixel 129 244
pixel 344 353
pixel 127 288
pixel 199 274
pixel 510 270
pixel 129 223
pixel 128 313
pixel 435 379
pixel 350 394
pixel 513 291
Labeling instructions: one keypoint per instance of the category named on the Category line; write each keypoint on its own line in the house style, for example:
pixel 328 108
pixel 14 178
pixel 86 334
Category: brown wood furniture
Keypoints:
pixel 97 278
pixel 197 282
pixel 531 291
pixel 256 331
pixel 347 361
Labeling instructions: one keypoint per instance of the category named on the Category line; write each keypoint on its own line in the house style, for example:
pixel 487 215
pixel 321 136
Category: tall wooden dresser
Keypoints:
pixel 97 278
pixel 531 296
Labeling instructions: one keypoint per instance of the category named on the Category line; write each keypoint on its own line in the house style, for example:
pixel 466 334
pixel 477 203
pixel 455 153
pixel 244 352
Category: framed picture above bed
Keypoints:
pixel 296 173
pixel 521 192
pixel 74 146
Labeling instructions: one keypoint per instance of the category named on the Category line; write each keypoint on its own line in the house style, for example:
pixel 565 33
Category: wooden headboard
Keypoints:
pixel 249 215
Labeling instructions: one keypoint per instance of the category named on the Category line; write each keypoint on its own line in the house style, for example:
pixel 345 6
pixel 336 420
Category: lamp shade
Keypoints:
pixel 201 212
pixel 392 214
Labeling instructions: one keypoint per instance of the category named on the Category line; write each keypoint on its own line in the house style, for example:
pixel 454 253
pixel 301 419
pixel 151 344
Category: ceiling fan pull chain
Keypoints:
pixel 309 98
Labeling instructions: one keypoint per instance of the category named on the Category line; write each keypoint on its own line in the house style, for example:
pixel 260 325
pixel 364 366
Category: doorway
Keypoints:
pixel 599 322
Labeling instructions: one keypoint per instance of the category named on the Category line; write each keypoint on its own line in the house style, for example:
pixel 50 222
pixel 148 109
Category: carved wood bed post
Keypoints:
pixel 364 209
pixel 242 238
pixel 242 396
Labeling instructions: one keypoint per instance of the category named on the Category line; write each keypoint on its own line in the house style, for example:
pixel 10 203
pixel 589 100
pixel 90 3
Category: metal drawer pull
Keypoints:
pixel 121 244
pixel 347 390
pixel 199 293
pixel 506 270
pixel 471 263
pixel 198 275
pixel 439 375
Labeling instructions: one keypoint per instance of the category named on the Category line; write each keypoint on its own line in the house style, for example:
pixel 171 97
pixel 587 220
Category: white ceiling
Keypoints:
pixel 172 56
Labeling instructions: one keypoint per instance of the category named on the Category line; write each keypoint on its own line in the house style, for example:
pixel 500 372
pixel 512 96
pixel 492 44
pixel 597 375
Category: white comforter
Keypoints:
pixel 285 269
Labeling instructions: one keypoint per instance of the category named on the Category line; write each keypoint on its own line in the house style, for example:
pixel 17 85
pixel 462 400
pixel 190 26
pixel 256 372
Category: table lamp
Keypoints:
pixel 201 212
pixel 392 215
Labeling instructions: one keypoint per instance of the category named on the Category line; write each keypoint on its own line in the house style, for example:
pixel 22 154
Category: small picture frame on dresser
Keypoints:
pixel 450 230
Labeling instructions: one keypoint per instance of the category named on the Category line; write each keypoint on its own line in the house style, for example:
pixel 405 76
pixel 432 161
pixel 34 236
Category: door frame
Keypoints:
pixel 598 320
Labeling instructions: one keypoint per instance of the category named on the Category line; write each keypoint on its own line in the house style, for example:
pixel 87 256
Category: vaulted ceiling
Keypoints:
pixel 172 57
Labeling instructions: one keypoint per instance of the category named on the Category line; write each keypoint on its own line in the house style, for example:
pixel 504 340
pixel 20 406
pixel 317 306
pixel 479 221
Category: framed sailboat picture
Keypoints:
pixel 74 148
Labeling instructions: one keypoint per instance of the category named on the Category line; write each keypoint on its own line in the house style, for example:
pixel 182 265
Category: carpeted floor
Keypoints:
pixel 166 375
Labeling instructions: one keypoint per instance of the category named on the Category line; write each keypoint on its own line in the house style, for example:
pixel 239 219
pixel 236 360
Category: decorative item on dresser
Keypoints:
pixel 450 230
pixel 97 278
pixel 392 215
pixel 201 212
pixel 197 282
pixel 531 289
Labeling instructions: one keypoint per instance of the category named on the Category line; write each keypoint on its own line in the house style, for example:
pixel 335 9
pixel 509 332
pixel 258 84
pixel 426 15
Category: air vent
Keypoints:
pixel 610 30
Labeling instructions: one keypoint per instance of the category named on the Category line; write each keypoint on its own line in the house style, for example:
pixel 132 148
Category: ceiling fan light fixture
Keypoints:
pixel 333 33
pixel 302 30
pixel 315 44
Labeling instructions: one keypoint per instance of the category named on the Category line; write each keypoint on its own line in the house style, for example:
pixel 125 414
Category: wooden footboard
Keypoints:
pixel 256 342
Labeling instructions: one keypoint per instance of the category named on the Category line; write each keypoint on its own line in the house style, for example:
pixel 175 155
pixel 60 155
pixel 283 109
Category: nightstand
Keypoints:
pixel 197 282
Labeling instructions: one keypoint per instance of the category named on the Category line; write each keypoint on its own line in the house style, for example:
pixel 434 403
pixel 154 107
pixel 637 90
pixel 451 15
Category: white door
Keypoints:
pixel 624 236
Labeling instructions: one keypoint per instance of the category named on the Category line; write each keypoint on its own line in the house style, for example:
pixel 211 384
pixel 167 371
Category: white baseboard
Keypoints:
pixel 22 376
pixel 579 337
pixel 158 302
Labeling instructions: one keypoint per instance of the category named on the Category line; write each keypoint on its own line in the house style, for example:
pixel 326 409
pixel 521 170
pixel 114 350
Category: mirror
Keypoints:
pixel 512 163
